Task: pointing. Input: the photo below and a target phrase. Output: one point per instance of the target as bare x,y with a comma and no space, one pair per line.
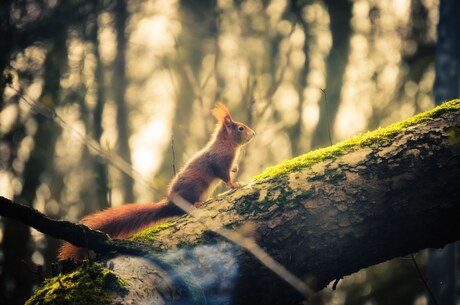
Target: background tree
17,248
340,13
443,263
119,85
100,167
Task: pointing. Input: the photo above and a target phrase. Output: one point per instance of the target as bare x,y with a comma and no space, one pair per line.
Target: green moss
149,234
91,284
379,136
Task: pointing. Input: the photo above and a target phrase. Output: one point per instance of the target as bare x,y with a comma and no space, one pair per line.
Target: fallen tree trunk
323,216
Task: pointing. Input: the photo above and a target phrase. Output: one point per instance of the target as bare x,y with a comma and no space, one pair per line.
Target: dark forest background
140,78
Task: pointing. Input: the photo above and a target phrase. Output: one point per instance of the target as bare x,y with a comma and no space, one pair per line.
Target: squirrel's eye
241,128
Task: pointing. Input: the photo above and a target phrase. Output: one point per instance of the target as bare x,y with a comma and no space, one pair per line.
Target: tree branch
77,234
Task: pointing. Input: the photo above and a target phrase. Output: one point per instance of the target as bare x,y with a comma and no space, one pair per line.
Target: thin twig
327,115
423,280
173,155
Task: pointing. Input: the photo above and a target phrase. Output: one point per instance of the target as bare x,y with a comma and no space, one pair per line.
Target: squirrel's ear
221,113
228,122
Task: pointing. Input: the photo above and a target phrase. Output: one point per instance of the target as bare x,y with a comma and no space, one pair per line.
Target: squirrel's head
236,131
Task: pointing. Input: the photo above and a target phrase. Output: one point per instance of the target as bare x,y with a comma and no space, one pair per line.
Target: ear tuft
221,113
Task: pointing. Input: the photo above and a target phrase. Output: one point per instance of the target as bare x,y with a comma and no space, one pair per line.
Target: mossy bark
377,201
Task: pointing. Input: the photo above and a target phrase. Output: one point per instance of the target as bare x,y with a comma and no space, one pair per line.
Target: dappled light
303,74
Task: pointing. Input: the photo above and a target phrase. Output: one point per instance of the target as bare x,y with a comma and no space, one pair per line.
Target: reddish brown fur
193,183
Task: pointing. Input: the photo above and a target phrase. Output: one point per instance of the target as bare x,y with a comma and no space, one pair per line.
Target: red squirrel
194,182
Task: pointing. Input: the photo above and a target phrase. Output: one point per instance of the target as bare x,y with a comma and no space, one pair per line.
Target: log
323,215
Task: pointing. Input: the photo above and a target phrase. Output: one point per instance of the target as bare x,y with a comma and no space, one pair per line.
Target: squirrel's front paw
233,184
235,168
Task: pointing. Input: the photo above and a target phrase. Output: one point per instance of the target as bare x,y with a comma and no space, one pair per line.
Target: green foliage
369,138
88,285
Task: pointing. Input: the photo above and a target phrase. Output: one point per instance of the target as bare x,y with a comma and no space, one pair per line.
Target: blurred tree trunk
419,60
119,89
295,131
443,263
100,167
190,48
340,13
16,279
447,82
6,37
321,222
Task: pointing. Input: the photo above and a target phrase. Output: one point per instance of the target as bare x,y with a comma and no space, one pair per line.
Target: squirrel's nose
252,135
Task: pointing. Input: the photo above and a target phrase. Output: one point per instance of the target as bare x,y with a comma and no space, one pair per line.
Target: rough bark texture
378,201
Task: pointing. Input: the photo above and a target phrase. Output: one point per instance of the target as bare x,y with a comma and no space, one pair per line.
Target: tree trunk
6,36
340,14
323,216
447,80
443,263
295,132
100,168
119,84
16,281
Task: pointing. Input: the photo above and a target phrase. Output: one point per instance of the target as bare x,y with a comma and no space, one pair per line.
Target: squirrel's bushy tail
121,222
